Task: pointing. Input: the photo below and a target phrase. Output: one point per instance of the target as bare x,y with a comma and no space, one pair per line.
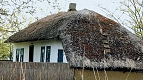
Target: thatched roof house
88,38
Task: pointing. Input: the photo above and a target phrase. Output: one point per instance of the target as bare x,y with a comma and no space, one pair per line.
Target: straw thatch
89,39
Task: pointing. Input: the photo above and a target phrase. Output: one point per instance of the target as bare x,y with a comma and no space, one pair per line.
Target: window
60,55
48,50
45,54
20,55
42,54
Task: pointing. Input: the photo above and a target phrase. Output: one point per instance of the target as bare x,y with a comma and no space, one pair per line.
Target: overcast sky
95,5
111,5
44,9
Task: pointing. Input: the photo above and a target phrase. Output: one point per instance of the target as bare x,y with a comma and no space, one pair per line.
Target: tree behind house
134,9
131,15
16,15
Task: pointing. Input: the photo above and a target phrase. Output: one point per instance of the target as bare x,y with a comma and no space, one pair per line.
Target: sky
95,5
44,9
111,5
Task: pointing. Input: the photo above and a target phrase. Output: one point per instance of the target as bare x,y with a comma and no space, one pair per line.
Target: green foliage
4,51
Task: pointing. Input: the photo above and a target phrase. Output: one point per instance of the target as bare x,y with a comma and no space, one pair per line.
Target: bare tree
134,9
16,15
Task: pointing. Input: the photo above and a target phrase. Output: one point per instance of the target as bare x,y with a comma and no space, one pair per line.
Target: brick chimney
72,7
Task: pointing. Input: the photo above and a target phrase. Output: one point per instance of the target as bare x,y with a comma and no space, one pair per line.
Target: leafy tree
4,51
16,15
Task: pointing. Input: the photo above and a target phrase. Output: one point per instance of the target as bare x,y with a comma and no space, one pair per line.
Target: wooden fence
35,71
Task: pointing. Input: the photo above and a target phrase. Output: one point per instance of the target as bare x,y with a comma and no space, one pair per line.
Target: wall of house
110,75
54,43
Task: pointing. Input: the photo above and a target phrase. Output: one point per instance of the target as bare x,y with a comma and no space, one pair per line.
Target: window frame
59,56
48,53
19,55
42,55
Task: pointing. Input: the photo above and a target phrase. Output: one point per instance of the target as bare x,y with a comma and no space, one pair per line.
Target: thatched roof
87,37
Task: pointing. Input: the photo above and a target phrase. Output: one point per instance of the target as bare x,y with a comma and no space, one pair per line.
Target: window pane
17,55
60,55
48,51
42,54
21,54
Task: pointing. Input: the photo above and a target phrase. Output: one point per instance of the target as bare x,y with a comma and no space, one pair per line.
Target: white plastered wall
54,43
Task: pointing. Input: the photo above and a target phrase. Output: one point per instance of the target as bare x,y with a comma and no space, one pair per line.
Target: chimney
72,7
